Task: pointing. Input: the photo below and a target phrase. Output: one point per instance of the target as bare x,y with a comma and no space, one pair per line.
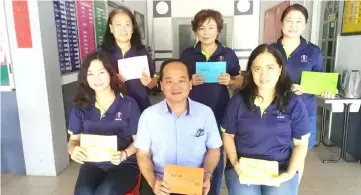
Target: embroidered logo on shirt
280,115
200,132
118,116
221,58
304,59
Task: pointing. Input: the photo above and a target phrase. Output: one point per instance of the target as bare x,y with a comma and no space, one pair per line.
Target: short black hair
295,7
166,62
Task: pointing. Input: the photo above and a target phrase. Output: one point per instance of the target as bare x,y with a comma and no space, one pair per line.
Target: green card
318,82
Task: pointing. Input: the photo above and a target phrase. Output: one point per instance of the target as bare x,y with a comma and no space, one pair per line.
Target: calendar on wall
351,21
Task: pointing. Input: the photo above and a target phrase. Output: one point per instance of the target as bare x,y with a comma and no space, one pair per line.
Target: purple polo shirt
214,95
306,57
120,119
135,88
268,137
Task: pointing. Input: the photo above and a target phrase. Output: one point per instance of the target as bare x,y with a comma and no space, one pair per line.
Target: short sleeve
75,122
213,137
143,141
134,117
300,122
318,66
229,121
233,64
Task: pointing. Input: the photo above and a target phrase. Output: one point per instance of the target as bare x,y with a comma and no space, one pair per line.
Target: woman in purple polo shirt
261,122
207,25
100,108
122,40
300,56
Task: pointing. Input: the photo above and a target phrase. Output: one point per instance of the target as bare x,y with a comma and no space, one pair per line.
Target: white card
132,68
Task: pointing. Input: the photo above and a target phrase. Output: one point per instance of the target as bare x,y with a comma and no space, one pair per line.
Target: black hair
296,7
108,38
84,94
166,62
283,86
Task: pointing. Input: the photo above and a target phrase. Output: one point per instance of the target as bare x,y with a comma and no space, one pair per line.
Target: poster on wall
100,21
139,18
85,17
351,23
22,24
66,30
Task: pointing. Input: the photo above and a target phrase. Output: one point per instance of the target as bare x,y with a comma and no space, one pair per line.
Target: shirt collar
116,49
219,50
118,97
166,109
303,43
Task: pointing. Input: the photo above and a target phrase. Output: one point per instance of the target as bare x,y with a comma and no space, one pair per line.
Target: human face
293,24
266,71
176,84
207,33
121,27
97,76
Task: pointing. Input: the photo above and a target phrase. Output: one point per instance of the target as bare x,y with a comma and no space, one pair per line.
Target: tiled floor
319,179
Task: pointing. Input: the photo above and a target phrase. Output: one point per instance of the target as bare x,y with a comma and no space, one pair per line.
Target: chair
135,190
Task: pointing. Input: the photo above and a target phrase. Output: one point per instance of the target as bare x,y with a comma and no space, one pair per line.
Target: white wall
344,58
39,93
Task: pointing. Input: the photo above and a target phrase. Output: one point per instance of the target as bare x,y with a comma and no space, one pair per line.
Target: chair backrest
135,190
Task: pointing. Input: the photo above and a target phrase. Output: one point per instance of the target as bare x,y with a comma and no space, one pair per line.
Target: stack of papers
100,148
183,179
132,68
257,172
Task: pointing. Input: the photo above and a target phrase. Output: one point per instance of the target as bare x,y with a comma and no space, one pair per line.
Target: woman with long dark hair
261,122
102,108
122,40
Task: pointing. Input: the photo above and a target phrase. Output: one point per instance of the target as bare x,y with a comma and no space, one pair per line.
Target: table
346,106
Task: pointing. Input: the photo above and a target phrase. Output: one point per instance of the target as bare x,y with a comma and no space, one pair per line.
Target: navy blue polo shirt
135,88
214,95
120,119
306,57
268,137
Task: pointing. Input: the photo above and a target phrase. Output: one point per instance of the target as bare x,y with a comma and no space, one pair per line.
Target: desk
339,105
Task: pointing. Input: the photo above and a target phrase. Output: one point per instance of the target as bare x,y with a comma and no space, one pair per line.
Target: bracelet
209,172
126,154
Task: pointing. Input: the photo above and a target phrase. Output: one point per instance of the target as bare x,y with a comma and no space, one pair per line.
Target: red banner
22,23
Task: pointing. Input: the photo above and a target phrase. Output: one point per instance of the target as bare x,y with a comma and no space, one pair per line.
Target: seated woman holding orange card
100,108
261,122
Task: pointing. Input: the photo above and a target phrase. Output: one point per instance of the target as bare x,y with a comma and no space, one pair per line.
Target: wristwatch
208,172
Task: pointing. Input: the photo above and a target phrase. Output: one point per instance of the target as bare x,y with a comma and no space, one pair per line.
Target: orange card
184,180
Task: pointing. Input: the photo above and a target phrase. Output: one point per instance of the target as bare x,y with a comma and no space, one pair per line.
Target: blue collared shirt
214,95
120,119
180,140
268,137
306,57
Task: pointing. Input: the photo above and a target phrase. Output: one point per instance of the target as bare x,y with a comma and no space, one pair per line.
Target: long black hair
283,85
108,38
85,96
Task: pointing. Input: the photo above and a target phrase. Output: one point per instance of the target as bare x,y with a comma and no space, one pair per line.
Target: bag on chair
349,85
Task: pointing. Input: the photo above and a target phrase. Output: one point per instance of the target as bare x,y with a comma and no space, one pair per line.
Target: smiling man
176,131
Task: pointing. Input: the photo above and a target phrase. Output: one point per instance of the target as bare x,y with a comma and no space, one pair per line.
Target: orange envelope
184,180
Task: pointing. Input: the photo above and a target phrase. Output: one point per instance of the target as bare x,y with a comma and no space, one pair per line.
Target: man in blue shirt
176,131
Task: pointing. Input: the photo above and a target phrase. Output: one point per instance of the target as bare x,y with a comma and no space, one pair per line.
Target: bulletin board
80,26
351,21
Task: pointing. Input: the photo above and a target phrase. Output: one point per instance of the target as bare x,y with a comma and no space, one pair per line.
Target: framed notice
351,20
